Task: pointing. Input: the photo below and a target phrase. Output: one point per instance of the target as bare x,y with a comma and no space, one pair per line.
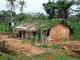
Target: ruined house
27,30
56,32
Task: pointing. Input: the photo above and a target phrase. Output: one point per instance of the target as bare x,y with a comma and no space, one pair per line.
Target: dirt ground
16,44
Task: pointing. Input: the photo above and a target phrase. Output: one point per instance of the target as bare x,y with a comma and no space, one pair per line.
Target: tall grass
4,27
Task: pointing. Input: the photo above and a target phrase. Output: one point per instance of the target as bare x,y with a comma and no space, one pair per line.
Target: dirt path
21,48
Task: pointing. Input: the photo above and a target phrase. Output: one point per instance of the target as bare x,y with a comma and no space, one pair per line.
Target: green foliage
77,11
55,46
22,4
44,46
33,38
49,24
59,9
4,27
38,57
24,41
3,44
64,57
6,14
76,30
64,40
10,57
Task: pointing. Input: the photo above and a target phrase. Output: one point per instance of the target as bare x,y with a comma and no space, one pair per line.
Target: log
72,48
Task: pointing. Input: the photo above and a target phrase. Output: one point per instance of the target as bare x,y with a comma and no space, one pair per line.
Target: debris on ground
20,48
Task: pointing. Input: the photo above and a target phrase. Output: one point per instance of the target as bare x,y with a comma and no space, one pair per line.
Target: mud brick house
55,32
60,32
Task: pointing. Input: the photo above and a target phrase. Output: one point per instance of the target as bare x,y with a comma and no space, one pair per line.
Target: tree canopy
58,9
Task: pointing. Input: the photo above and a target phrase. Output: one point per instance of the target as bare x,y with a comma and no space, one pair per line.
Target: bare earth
16,44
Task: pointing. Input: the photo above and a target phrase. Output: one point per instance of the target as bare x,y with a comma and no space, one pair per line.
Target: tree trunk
62,14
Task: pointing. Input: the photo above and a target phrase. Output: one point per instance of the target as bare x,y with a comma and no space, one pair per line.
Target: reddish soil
21,48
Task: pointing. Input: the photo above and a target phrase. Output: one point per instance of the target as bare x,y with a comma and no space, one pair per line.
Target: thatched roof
27,27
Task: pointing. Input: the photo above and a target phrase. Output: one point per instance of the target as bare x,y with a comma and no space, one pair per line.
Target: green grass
24,41
55,46
38,57
4,27
64,57
44,46
9,57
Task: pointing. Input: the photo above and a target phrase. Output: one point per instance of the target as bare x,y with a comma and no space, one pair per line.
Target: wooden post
46,37
22,35
42,38
36,37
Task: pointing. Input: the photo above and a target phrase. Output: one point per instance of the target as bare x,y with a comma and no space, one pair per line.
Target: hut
59,32
55,32
27,30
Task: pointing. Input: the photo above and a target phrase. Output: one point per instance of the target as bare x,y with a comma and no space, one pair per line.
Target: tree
77,15
50,8
4,13
21,3
12,5
38,16
78,10
58,9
